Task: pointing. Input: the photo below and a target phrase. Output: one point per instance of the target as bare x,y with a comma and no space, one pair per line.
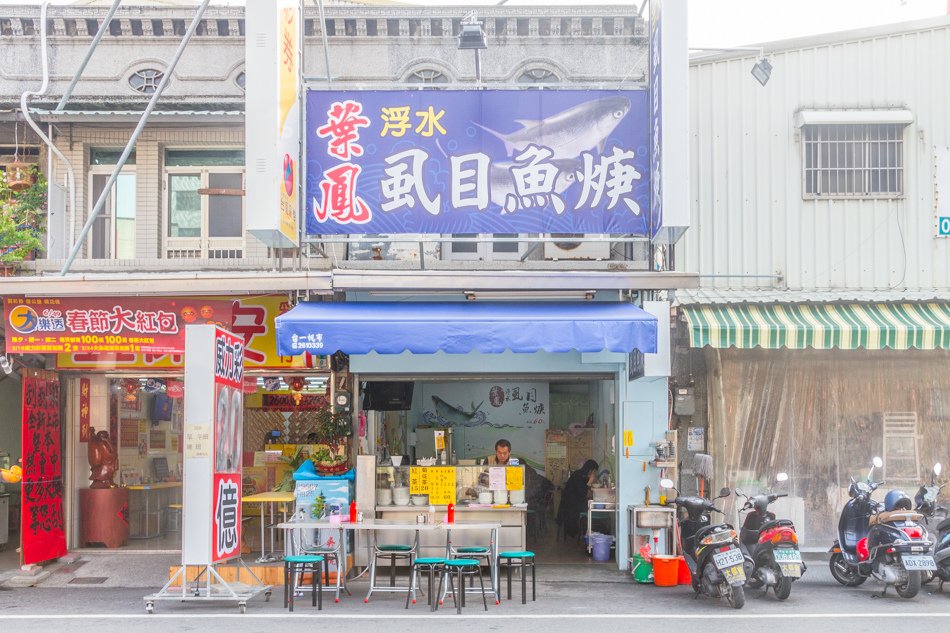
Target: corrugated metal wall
748,215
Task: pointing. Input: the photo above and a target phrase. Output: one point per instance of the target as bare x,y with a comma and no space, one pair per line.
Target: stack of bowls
401,495
384,496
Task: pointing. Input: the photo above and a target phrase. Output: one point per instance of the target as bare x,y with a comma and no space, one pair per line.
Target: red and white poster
106,325
44,535
228,436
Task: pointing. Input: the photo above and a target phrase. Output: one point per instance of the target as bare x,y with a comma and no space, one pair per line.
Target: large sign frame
213,427
477,161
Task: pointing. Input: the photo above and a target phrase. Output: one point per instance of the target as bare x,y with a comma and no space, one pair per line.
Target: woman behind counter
574,498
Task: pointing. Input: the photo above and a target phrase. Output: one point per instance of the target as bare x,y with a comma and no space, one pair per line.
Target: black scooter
935,518
886,543
712,551
770,544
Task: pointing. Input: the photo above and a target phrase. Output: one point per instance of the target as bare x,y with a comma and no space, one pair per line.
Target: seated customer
574,498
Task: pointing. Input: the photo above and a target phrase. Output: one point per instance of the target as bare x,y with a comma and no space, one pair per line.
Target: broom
703,470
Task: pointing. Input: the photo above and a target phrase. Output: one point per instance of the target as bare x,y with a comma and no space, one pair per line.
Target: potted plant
22,211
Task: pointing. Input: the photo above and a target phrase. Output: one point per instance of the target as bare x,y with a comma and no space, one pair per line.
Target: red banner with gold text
44,534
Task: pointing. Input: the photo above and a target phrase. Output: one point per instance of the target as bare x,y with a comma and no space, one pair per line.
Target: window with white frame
113,231
205,203
853,160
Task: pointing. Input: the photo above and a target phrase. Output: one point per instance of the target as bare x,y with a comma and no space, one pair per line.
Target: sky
722,23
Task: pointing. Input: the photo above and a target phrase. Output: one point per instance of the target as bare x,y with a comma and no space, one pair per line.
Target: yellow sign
288,123
253,318
514,478
440,440
436,481
628,439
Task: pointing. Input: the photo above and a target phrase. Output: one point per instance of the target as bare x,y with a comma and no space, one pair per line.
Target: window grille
853,160
146,80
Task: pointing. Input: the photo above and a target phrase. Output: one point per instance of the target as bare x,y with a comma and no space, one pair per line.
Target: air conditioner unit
568,249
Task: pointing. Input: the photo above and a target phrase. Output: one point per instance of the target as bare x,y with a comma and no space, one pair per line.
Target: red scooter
769,544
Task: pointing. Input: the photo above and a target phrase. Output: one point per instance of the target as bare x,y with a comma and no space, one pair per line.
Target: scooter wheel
736,597
910,588
843,573
783,589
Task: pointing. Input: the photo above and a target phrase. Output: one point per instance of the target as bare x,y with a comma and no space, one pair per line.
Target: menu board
514,478
497,479
436,481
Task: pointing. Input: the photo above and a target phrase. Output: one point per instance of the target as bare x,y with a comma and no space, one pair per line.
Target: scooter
711,551
885,542
935,518
770,544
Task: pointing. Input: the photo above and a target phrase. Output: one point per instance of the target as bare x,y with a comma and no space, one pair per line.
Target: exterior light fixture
472,38
762,71
5,364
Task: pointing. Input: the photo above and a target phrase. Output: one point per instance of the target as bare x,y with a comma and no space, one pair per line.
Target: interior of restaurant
553,426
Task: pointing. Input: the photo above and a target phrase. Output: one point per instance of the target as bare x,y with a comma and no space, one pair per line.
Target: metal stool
526,559
461,567
302,564
173,517
394,553
432,566
476,553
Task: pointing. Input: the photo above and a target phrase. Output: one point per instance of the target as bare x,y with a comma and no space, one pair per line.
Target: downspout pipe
25,108
89,51
135,135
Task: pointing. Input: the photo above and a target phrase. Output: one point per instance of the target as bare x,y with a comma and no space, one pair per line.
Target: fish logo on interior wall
446,414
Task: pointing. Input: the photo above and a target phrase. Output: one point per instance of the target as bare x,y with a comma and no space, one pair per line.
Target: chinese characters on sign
477,162
44,535
436,481
228,439
105,325
83,409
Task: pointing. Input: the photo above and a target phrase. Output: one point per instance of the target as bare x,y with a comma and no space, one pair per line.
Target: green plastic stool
300,565
431,566
461,567
526,559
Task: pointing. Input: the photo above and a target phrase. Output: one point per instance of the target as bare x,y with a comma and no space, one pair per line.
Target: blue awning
459,328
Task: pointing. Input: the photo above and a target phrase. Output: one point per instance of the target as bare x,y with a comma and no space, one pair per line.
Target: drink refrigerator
315,498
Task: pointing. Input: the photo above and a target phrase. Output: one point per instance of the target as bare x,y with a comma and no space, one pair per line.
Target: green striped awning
821,326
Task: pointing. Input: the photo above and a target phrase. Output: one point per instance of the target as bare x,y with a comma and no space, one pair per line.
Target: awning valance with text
459,328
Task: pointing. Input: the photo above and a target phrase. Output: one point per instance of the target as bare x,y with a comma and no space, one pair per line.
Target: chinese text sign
44,535
228,437
505,161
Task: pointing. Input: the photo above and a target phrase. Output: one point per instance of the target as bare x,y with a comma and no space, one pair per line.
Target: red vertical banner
228,439
83,409
44,535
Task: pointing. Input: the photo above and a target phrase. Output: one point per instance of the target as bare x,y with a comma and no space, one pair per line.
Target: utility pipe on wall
135,135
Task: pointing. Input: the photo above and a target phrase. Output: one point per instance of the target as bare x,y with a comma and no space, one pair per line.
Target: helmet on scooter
897,500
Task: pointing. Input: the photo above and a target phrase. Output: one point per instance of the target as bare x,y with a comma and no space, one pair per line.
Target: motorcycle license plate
791,570
734,574
788,555
914,563
727,559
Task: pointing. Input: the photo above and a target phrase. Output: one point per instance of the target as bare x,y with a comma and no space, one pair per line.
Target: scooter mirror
724,492
938,467
878,462
781,477
667,483
739,492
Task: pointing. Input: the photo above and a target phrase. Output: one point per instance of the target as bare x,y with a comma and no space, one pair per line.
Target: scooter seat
944,525
895,515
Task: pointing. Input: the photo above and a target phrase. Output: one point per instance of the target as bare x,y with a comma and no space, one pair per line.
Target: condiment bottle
353,511
450,514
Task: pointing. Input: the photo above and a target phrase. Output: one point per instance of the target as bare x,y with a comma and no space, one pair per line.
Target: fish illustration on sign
569,132
446,414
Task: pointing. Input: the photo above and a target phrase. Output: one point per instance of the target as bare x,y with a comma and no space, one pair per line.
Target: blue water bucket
600,546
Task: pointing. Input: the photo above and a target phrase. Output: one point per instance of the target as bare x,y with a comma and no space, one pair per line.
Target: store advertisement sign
477,161
105,324
213,430
669,121
44,534
251,317
273,53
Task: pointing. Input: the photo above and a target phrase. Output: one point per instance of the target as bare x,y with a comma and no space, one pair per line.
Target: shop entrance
554,426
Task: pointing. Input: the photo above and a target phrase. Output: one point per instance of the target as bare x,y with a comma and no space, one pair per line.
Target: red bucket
683,575
665,570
